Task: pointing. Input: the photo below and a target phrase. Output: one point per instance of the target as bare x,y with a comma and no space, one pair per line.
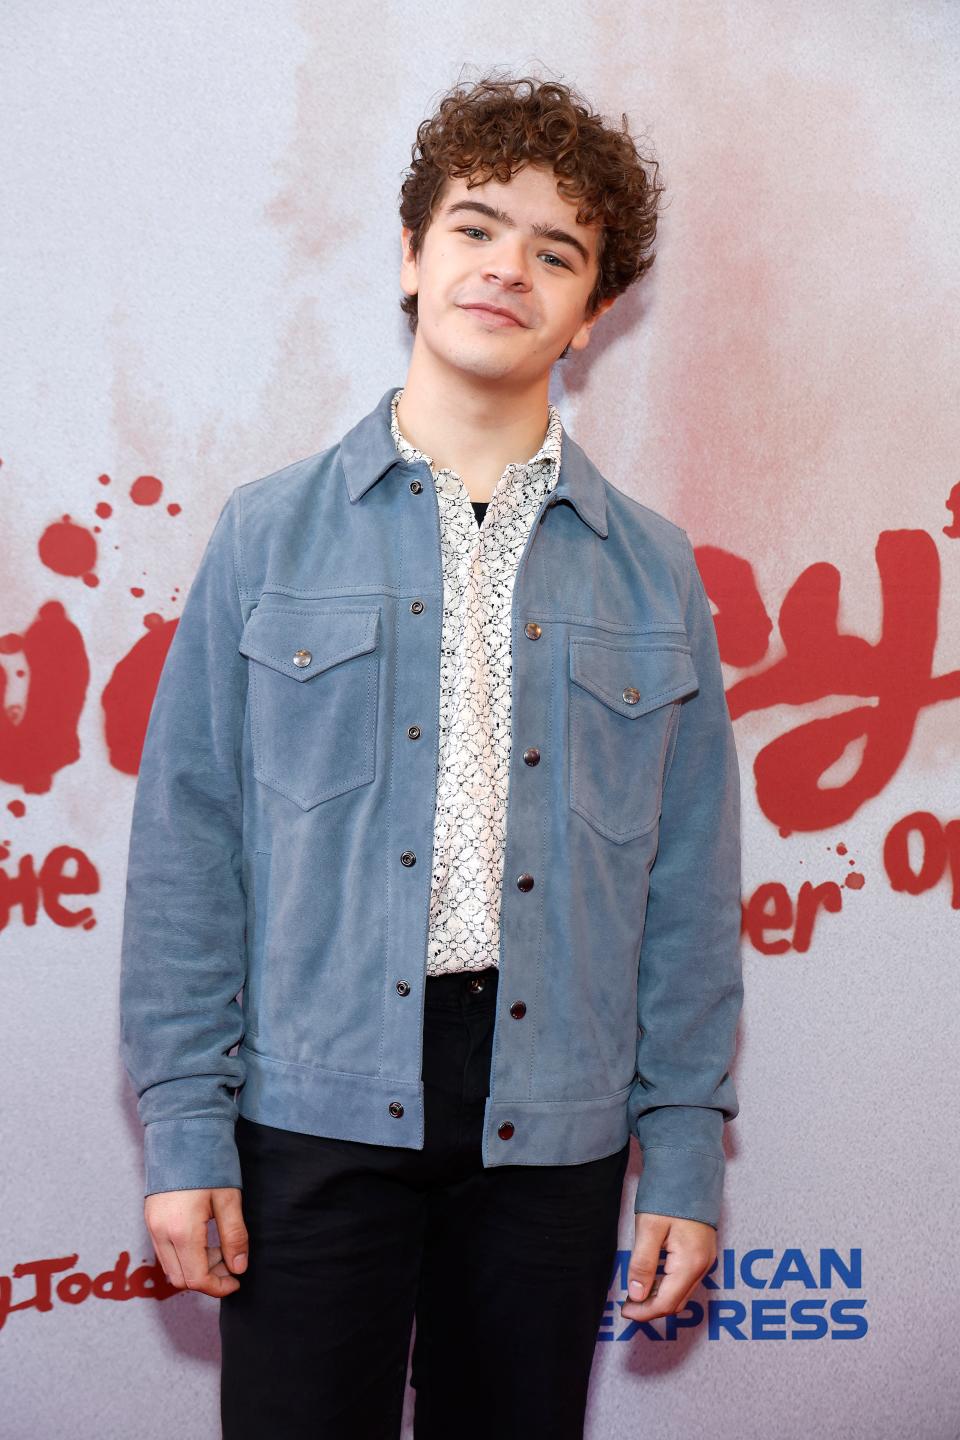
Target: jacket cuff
198,1153
687,1184
683,1162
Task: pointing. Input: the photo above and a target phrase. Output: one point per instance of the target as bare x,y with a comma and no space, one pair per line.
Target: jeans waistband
463,989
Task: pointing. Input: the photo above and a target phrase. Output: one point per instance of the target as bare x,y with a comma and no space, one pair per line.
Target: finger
642,1277
192,1254
234,1240
669,1299
167,1257
650,1234
652,1293
216,1265
692,1273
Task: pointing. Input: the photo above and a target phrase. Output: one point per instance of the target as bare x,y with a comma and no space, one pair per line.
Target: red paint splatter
39,737
854,881
895,675
104,509
137,590
128,694
841,848
146,490
104,479
68,549
17,808
173,508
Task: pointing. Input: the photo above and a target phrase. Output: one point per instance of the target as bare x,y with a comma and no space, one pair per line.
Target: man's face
471,257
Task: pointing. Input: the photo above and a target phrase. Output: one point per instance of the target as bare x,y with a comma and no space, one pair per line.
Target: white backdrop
200,271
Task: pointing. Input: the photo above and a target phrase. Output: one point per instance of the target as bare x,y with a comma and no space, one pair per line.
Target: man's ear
602,309
409,281
581,339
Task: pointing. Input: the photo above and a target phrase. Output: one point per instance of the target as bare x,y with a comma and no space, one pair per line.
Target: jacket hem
347,1106
338,1104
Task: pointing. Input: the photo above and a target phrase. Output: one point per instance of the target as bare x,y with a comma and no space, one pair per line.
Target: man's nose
509,266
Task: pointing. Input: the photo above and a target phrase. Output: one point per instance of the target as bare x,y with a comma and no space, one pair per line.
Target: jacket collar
368,451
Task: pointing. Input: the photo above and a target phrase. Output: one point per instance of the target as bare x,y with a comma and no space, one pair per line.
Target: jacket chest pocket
624,701
314,680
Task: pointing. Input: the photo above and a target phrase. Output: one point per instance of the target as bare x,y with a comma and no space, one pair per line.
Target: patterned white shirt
479,567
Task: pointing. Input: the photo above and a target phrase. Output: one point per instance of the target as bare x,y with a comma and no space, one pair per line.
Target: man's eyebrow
548,232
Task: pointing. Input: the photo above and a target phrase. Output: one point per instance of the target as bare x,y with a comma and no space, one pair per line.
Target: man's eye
478,230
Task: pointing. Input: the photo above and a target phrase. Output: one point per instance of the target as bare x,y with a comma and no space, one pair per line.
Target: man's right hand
177,1221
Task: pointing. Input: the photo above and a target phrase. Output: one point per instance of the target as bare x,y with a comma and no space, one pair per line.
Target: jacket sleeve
690,987
183,944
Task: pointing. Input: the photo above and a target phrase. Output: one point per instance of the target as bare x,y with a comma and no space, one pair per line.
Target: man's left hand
691,1247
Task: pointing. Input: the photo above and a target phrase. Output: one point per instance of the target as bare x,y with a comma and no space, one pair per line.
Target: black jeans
506,1269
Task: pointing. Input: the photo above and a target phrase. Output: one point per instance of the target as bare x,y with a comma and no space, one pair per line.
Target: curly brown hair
491,128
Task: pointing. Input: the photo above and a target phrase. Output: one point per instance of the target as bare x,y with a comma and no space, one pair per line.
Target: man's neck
474,429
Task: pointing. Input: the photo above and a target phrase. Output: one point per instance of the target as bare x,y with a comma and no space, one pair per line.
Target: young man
457,806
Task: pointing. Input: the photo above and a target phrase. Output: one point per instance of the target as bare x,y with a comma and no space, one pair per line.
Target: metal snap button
630,695
416,486
413,732
531,756
518,1009
505,1129
302,657
532,630
524,882
408,858
416,606
395,1108
403,987
475,984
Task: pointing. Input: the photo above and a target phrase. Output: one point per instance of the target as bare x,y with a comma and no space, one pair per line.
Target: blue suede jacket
278,878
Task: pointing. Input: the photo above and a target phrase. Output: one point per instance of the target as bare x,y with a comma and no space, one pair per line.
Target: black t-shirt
479,509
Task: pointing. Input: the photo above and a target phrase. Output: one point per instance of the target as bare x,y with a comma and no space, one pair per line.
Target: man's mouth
495,315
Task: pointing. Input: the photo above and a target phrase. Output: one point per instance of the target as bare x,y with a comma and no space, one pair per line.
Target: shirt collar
548,454
368,452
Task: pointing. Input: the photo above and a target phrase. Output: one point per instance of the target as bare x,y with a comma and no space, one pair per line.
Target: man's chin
478,365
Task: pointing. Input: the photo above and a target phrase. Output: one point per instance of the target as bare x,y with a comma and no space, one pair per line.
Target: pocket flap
275,635
658,672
